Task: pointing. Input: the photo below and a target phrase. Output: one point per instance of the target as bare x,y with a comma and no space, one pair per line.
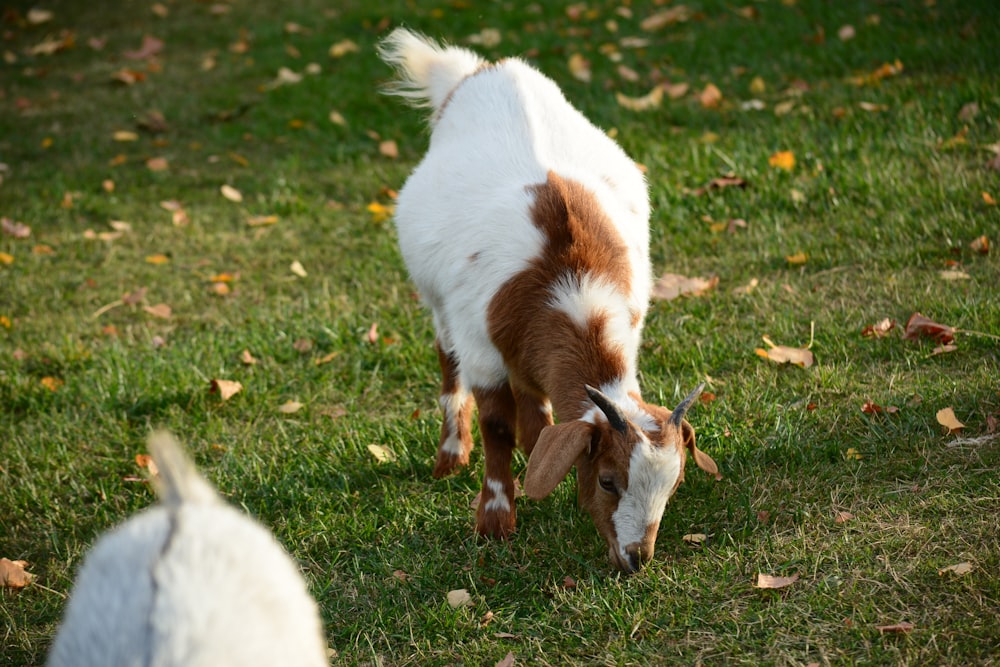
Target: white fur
499,500
463,217
652,474
190,582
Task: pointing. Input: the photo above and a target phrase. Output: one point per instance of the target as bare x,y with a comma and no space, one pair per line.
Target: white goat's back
190,582
464,215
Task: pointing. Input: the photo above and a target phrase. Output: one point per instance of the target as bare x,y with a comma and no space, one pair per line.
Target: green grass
882,203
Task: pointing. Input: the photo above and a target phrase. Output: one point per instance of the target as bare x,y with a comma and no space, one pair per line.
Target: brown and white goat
526,231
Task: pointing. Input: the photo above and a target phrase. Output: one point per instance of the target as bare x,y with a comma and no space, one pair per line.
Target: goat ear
704,461
557,449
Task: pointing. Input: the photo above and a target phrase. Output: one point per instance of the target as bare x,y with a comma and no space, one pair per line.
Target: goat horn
678,414
614,414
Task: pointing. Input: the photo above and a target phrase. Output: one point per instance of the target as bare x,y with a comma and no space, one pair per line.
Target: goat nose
637,555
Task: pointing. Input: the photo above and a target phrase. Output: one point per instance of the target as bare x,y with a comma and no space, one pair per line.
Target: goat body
525,229
190,582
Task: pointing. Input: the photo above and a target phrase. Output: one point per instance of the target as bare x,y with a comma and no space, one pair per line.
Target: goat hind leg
456,424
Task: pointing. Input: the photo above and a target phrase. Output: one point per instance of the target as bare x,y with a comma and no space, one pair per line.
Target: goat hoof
448,463
496,525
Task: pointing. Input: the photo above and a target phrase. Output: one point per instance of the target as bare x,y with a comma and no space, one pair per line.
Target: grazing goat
526,232
190,582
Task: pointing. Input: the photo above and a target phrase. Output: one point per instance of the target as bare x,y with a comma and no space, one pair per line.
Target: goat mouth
626,563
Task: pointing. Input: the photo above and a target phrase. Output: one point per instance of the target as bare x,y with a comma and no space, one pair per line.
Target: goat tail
177,480
427,72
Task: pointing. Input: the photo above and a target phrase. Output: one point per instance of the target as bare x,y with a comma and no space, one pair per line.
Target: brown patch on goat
457,424
549,354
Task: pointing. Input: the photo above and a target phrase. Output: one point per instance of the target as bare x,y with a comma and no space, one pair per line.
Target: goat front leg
495,516
456,425
533,414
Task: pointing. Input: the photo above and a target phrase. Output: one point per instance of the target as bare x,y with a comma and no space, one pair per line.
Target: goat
526,232
190,582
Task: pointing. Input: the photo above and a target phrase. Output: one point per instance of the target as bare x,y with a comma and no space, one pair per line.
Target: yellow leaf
261,220
382,454
337,118
797,258
125,135
650,100
782,160
988,199
380,212
220,289
289,407
579,67
5,322
231,193
157,259
946,417
298,269
341,49
327,358
853,454
51,383
6,258
757,86
225,388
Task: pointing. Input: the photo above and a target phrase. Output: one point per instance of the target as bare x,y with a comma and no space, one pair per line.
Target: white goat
190,582
526,231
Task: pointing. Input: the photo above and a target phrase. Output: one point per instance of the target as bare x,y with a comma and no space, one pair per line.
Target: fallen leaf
919,326
297,268
51,383
459,598
569,583
372,335
389,149
843,517
846,32
968,112
508,660
262,220
146,461
872,107
337,118
247,359
125,135
981,245
653,22
13,574
782,160
671,285
400,575
943,349
895,628
852,454
382,454
225,388
18,230
290,407
710,97
782,354
988,199
880,329
342,48
770,581
37,17
285,77
951,274
160,310
380,212
958,569
675,91
157,259
302,345
157,164
695,538
870,408
579,67
327,358
721,182
797,258
134,298
151,46
231,193
650,100
946,417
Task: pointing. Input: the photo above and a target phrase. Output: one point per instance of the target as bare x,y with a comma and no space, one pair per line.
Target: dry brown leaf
843,517
372,335
919,326
160,310
895,628
157,164
225,388
51,383
342,48
880,329
943,349
675,91
382,454
400,575
125,135
695,538
262,220
981,245
671,285
650,100
569,583
946,417
459,598
13,574
870,408
677,14
953,274
290,407
327,358
158,258
579,67
721,182
147,462
846,32
297,268
508,660
247,359
710,97
783,354
389,149
151,46
18,230
231,193
770,581
988,199
958,569
872,107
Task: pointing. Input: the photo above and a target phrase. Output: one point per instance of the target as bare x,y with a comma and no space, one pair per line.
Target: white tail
427,72
178,481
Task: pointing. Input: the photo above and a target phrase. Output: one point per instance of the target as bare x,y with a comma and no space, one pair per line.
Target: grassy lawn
115,155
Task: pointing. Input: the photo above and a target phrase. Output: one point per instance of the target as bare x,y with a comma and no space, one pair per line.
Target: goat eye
608,484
